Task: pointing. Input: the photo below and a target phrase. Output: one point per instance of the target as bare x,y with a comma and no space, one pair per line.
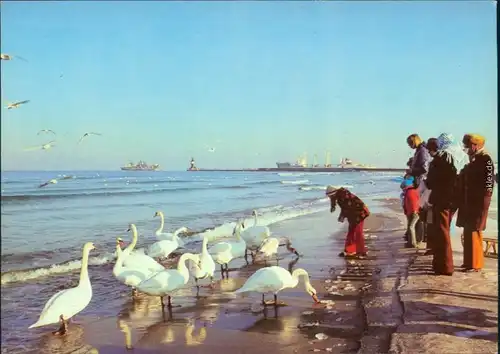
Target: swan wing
162,248
162,283
142,261
269,245
270,279
165,236
133,277
219,247
67,302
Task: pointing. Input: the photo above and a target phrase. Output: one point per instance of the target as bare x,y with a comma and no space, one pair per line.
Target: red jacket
411,201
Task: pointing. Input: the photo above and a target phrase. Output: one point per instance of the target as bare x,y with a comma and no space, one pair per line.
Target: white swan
160,235
134,259
205,267
67,303
270,246
225,251
166,282
163,248
128,275
255,234
274,279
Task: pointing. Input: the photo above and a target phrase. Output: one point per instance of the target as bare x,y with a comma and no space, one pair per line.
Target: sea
43,229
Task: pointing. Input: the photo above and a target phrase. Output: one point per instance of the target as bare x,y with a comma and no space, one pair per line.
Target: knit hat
409,181
330,190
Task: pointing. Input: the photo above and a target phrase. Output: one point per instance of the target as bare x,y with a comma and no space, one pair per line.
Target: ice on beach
307,313
308,324
471,334
321,336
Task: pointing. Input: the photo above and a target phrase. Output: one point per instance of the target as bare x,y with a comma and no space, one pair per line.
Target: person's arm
333,203
430,181
488,180
421,163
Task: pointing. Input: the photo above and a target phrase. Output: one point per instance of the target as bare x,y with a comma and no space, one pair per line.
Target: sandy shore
371,305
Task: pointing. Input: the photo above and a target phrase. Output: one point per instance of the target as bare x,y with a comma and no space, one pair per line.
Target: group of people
435,188
438,184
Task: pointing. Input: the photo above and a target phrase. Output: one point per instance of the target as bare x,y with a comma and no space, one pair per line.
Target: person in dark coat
474,191
355,211
441,181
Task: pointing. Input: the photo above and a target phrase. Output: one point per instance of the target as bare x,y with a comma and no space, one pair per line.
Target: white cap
330,190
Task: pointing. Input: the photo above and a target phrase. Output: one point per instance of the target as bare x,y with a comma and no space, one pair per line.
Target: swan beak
315,298
128,230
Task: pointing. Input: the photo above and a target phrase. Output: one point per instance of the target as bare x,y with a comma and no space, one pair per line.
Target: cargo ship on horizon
140,166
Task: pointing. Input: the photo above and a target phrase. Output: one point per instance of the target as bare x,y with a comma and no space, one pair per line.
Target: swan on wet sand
269,247
160,235
134,259
273,280
225,251
163,248
205,267
254,235
128,275
67,303
166,282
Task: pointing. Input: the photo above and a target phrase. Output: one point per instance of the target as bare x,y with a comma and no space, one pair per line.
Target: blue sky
271,80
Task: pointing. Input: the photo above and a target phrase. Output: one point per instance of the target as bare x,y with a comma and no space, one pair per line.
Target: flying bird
10,57
47,146
52,181
211,149
86,135
16,104
46,131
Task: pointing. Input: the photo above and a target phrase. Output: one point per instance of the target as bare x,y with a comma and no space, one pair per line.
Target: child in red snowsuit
411,206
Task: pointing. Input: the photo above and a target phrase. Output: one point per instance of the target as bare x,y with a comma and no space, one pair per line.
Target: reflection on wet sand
73,341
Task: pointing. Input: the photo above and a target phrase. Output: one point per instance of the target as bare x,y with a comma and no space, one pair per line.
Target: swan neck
134,239
204,249
255,219
162,223
119,260
296,277
182,268
84,272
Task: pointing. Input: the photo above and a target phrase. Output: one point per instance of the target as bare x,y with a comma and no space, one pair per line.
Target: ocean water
44,229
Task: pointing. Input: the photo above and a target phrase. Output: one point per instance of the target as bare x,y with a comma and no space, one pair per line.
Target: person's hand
341,218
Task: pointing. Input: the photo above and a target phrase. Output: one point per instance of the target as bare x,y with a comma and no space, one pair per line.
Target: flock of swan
143,273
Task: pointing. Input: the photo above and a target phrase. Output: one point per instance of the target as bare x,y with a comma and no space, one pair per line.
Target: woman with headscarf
441,181
474,191
355,211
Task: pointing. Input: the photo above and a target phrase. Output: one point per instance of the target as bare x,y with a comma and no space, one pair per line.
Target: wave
302,181
29,197
267,216
322,188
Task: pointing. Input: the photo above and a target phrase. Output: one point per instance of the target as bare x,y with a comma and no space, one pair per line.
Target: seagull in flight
52,181
46,131
10,57
47,146
211,149
16,104
86,135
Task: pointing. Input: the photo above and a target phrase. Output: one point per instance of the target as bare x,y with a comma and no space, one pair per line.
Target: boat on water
192,165
140,166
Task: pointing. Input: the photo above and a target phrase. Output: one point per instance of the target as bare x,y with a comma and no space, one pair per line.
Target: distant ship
301,163
140,166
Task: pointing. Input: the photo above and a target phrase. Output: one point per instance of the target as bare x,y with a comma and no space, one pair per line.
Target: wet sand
387,303
219,320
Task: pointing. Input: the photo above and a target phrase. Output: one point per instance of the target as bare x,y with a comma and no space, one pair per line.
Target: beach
364,302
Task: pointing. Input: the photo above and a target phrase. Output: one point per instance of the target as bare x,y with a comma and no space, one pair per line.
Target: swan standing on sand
160,235
274,279
128,275
255,235
67,303
269,247
225,251
205,267
166,282
137,260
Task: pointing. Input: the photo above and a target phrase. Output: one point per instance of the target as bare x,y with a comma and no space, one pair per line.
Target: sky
260,82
